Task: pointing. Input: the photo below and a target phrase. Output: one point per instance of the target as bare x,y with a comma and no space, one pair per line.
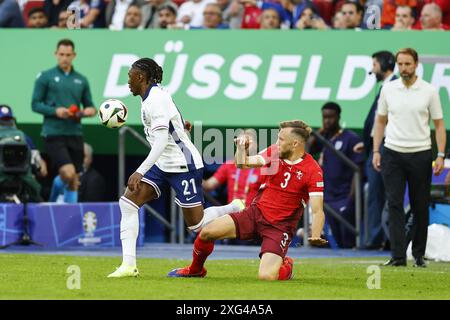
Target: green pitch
45,277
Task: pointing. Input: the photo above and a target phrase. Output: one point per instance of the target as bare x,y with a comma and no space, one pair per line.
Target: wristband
376,151
441,154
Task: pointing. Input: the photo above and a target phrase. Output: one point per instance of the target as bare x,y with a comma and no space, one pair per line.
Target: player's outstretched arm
318,221
241,158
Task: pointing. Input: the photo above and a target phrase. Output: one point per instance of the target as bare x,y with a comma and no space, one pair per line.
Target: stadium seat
30,5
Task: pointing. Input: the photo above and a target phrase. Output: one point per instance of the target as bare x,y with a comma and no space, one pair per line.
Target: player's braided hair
298,127
150,68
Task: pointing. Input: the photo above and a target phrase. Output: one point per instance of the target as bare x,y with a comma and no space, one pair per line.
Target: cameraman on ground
9,178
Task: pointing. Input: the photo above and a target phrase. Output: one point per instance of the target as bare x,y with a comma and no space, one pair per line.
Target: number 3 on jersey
287,177
185,184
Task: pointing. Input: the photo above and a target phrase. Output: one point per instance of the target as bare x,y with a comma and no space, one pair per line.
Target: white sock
213,213
129,229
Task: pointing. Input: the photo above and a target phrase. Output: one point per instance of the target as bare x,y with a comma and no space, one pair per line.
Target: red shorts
251,224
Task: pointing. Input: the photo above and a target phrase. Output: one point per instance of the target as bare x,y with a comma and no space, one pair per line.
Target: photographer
20,161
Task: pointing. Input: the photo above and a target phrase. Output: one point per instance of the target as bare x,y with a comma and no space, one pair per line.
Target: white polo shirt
409,111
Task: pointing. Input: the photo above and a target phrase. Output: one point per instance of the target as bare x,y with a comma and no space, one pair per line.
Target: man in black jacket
383,67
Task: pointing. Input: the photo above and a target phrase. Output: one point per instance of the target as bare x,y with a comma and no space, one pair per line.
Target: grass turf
45,277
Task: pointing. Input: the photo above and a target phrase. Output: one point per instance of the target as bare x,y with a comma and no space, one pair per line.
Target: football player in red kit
293,178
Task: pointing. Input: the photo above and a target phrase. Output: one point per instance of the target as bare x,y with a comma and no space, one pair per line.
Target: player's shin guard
202,249
129,229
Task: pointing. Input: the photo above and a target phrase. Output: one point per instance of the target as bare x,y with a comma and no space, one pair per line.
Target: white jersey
159,111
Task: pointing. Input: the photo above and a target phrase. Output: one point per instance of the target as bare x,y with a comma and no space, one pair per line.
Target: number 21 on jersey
186,183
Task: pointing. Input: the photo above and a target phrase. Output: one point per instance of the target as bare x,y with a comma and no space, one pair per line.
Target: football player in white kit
173,159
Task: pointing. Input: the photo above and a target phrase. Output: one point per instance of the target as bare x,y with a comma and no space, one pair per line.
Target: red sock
285,271
202,249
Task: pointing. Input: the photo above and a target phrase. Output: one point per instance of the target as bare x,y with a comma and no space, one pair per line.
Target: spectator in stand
133,17
116,11
431,18
270,19
53,8
404,19
338,21
232,13
167,17
353,13
150,16
92,13
241,183
62,20
309,19
445,7
37,18
388,11
191,12
82,8
293,10
212,18
289,11
10,14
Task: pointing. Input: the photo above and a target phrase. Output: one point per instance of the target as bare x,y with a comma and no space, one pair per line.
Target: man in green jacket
58,95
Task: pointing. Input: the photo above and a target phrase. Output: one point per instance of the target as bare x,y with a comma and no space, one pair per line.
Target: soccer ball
113,113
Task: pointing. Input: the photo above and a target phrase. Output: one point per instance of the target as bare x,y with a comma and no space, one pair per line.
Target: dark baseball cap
6,112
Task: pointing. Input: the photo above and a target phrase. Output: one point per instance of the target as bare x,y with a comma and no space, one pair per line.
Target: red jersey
288,187
241,183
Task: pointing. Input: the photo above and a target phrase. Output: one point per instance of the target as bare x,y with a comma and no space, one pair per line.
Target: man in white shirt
173,160
191,12
404,110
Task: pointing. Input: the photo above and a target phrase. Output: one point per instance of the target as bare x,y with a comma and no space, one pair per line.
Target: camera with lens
15,158
15,155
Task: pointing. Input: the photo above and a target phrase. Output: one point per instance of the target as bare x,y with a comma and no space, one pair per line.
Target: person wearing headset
383,69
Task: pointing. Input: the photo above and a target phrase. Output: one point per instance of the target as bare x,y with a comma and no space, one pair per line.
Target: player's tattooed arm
318,221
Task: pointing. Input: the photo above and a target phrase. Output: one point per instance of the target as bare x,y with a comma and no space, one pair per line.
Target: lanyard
247,184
